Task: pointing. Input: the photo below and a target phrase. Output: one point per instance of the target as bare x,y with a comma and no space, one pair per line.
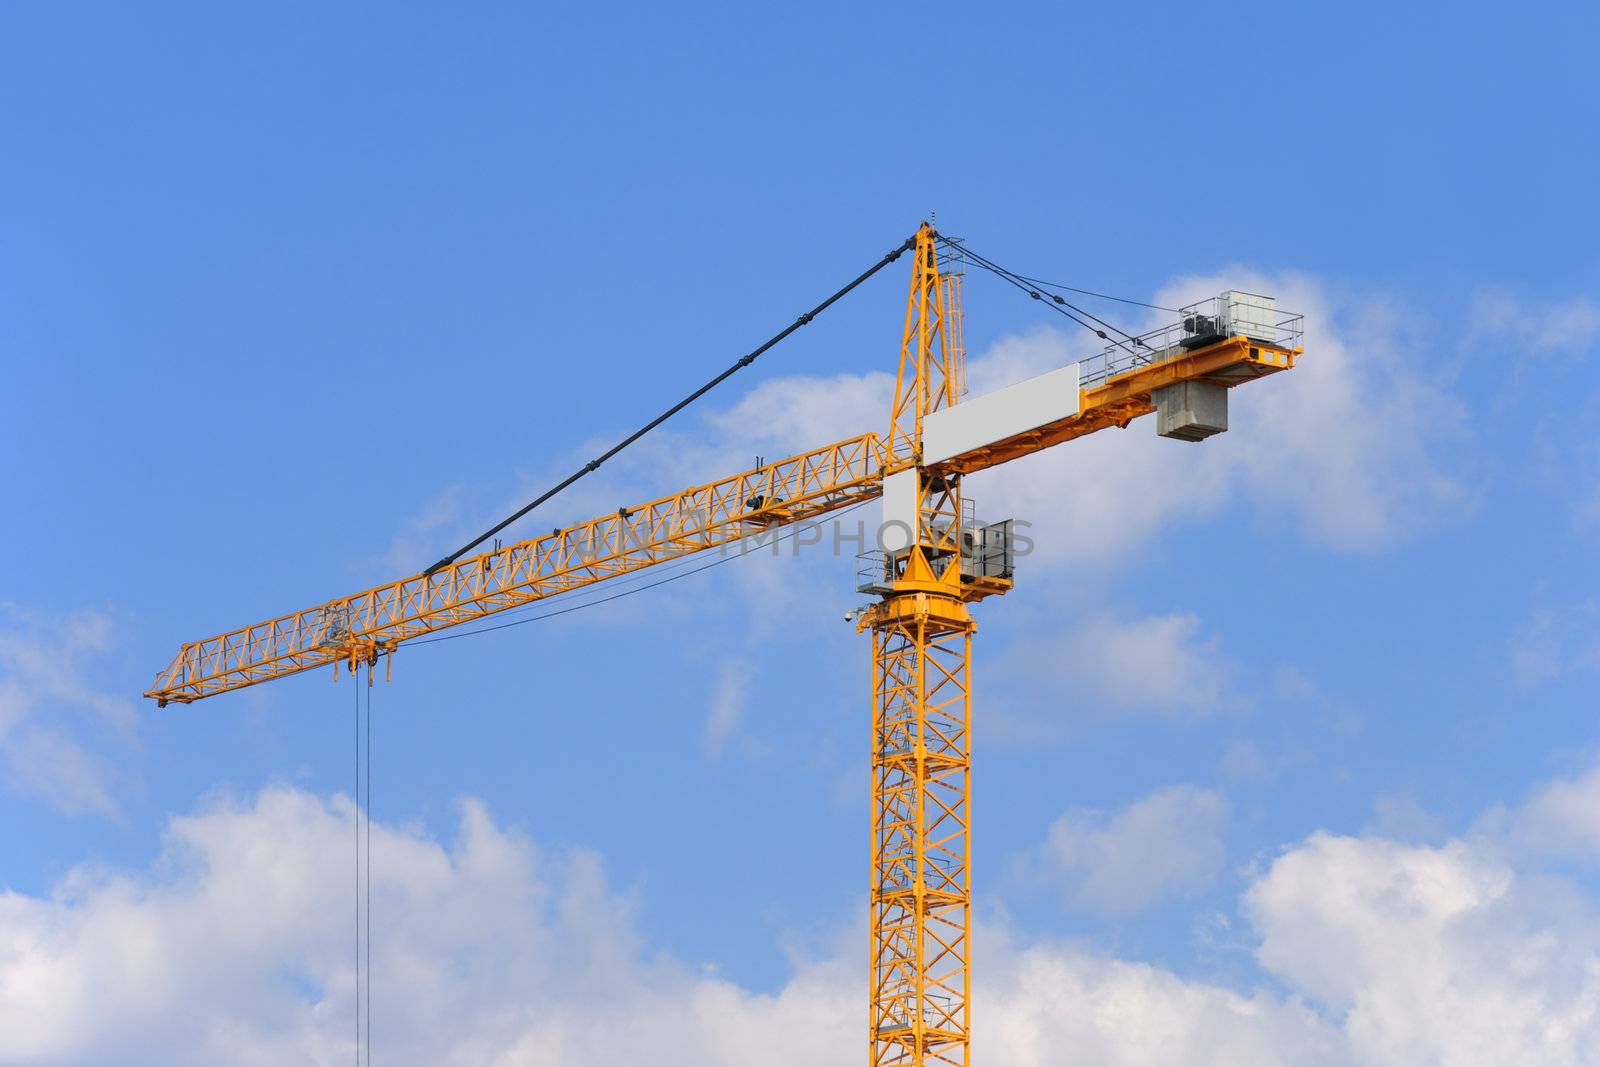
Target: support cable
739,364
1056,303
1022,283
1101,296
363,814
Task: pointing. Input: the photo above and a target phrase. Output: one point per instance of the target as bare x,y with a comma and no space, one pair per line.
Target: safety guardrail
1233,314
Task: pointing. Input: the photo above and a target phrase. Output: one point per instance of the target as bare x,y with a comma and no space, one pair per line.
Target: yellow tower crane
933,561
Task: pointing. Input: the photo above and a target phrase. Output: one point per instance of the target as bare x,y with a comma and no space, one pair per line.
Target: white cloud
1433,955
1166,844
235,946
1564,816
422,537
1537,329
1401,817
727,705
1561,818
57,730
1553,642
1251,760
1057,1006
1163,664
796,413
1533,650
1346,439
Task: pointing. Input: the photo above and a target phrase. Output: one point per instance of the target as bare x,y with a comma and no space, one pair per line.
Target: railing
986,552
873,573
1203,322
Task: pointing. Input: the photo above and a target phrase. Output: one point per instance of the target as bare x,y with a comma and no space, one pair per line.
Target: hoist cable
1021,283
1035,294
1101,296
369,864
363,812
739,364
355,678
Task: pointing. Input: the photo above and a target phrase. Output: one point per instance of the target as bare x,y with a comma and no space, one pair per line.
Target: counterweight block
1191,411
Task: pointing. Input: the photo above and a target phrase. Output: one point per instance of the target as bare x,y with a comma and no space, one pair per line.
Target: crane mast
933,562
921,895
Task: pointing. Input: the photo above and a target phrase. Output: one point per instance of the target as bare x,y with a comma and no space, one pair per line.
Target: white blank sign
994,417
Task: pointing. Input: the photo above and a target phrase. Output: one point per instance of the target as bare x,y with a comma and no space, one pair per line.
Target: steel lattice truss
921,781
707,516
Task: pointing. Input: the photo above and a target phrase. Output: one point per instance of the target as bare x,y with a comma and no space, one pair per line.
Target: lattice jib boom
707,516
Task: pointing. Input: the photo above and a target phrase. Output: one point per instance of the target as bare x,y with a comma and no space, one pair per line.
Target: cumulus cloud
1166,844
727,705
795,413
417,543
1553,642
1160,664
1347,440
1059,1006
1537,328
1433,955
234,946
1561,818
1254,760
58,731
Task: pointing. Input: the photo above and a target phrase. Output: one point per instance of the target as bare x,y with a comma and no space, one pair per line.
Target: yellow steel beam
921,915
1125,396
707,516
921,911
929,372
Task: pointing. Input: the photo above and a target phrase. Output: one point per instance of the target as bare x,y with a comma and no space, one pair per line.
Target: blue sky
292,300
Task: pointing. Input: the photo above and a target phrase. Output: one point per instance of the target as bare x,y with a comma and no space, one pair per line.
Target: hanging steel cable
355,681
368,857
1099,296
1056,303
